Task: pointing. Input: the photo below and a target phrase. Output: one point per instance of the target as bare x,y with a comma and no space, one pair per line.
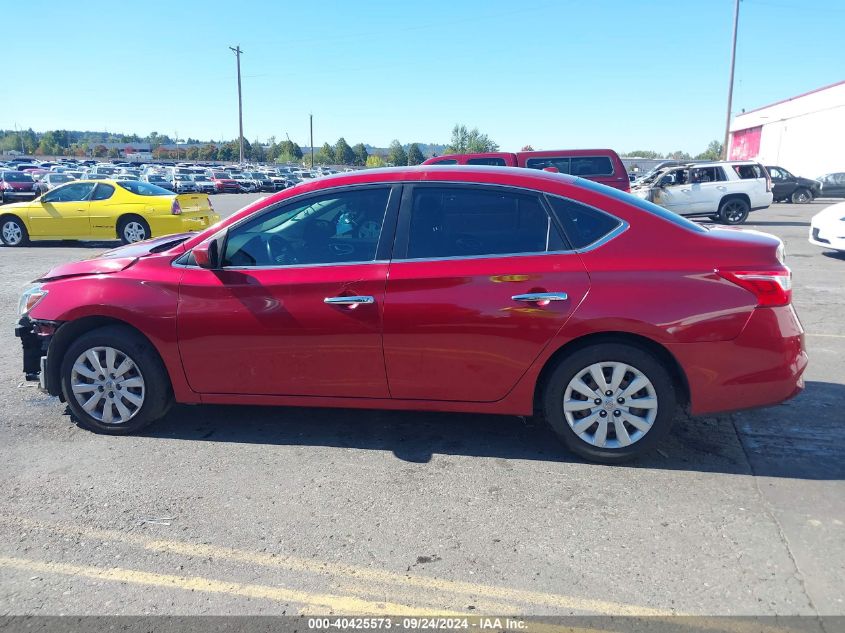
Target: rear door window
706,174
473,222
102,192
445,161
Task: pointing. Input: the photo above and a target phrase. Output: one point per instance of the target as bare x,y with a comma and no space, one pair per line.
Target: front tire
133,229
13,232
610,402
801,196
734,211
114,381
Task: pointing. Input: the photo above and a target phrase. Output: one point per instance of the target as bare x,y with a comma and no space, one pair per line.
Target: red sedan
472,289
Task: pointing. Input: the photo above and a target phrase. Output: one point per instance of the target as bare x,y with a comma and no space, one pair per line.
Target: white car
827,228
723,191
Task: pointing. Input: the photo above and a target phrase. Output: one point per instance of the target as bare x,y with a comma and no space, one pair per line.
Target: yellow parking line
357,574
313,602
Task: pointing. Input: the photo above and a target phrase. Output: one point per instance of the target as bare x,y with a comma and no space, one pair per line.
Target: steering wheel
277,250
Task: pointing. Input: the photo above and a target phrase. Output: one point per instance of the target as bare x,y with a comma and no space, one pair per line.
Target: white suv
723,191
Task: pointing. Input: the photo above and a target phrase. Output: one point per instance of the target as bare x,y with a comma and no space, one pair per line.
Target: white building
804,134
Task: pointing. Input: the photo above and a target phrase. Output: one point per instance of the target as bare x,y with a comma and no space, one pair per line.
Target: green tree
469,141
640,153
679,155
114,153
257,153
396,154
208,152
343,154
100,151
361,155
374,160
713,151
527,148
325,156
415,156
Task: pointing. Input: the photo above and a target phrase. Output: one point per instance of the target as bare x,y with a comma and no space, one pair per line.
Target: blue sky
649,74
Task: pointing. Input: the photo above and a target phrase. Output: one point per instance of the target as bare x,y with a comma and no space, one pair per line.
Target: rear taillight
175,209
771,287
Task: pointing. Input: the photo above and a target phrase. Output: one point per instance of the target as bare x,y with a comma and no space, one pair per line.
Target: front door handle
539,297
349,301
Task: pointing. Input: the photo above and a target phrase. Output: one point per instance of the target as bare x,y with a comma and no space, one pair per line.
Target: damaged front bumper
35,339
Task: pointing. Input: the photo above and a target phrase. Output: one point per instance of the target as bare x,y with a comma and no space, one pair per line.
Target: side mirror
207,254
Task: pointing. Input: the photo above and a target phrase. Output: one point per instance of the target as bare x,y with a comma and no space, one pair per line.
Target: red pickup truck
600,165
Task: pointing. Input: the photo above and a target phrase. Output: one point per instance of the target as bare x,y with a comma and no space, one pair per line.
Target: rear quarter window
495,162
583,225
748,172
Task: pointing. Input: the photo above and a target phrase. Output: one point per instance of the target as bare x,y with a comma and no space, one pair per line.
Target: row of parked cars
22,180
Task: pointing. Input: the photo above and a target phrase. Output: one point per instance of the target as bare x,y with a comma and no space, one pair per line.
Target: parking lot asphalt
226,510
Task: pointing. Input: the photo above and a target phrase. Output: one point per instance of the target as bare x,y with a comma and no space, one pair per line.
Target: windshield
16,176
144,188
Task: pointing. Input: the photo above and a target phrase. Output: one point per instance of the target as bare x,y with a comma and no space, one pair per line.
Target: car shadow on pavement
752,224
802,439
105,244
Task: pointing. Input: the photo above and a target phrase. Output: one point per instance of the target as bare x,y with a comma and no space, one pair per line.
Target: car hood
833,212
809,182
116,259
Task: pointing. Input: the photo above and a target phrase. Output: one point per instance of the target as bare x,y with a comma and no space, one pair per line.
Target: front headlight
30,298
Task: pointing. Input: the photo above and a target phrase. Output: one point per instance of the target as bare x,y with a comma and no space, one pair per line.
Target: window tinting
495,162
336,228
585,166
69,193
102,192
706,174
144,188
16,176
446,161
747,172
466,222
583,225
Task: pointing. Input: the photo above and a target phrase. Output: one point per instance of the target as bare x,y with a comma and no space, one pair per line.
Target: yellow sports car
102,210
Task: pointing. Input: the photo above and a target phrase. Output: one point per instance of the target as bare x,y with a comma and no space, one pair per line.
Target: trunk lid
193,202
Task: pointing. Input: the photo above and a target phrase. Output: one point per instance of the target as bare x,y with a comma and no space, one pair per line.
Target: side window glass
583,225
775,173
467,222
446,161
561,164
70,193
495,162
102,192
706,174
333,228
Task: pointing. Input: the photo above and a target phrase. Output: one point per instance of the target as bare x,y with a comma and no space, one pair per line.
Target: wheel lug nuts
603,414
620,400
617,413
608,393
597,401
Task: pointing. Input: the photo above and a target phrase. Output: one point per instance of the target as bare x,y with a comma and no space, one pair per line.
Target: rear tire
133,228
13,232
128,377
604,428
734,211
801,196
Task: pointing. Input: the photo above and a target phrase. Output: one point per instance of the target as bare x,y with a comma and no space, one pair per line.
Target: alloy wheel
134,232
610,405
734,212
12,233
108,385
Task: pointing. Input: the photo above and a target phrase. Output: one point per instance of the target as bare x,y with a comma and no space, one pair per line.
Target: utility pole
311,125
731,84
237,51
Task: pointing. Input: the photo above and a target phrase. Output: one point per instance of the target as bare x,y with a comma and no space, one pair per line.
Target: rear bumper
19,195
761,367
190,221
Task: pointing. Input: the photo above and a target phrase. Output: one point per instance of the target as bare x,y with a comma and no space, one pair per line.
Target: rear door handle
349,301
537,297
